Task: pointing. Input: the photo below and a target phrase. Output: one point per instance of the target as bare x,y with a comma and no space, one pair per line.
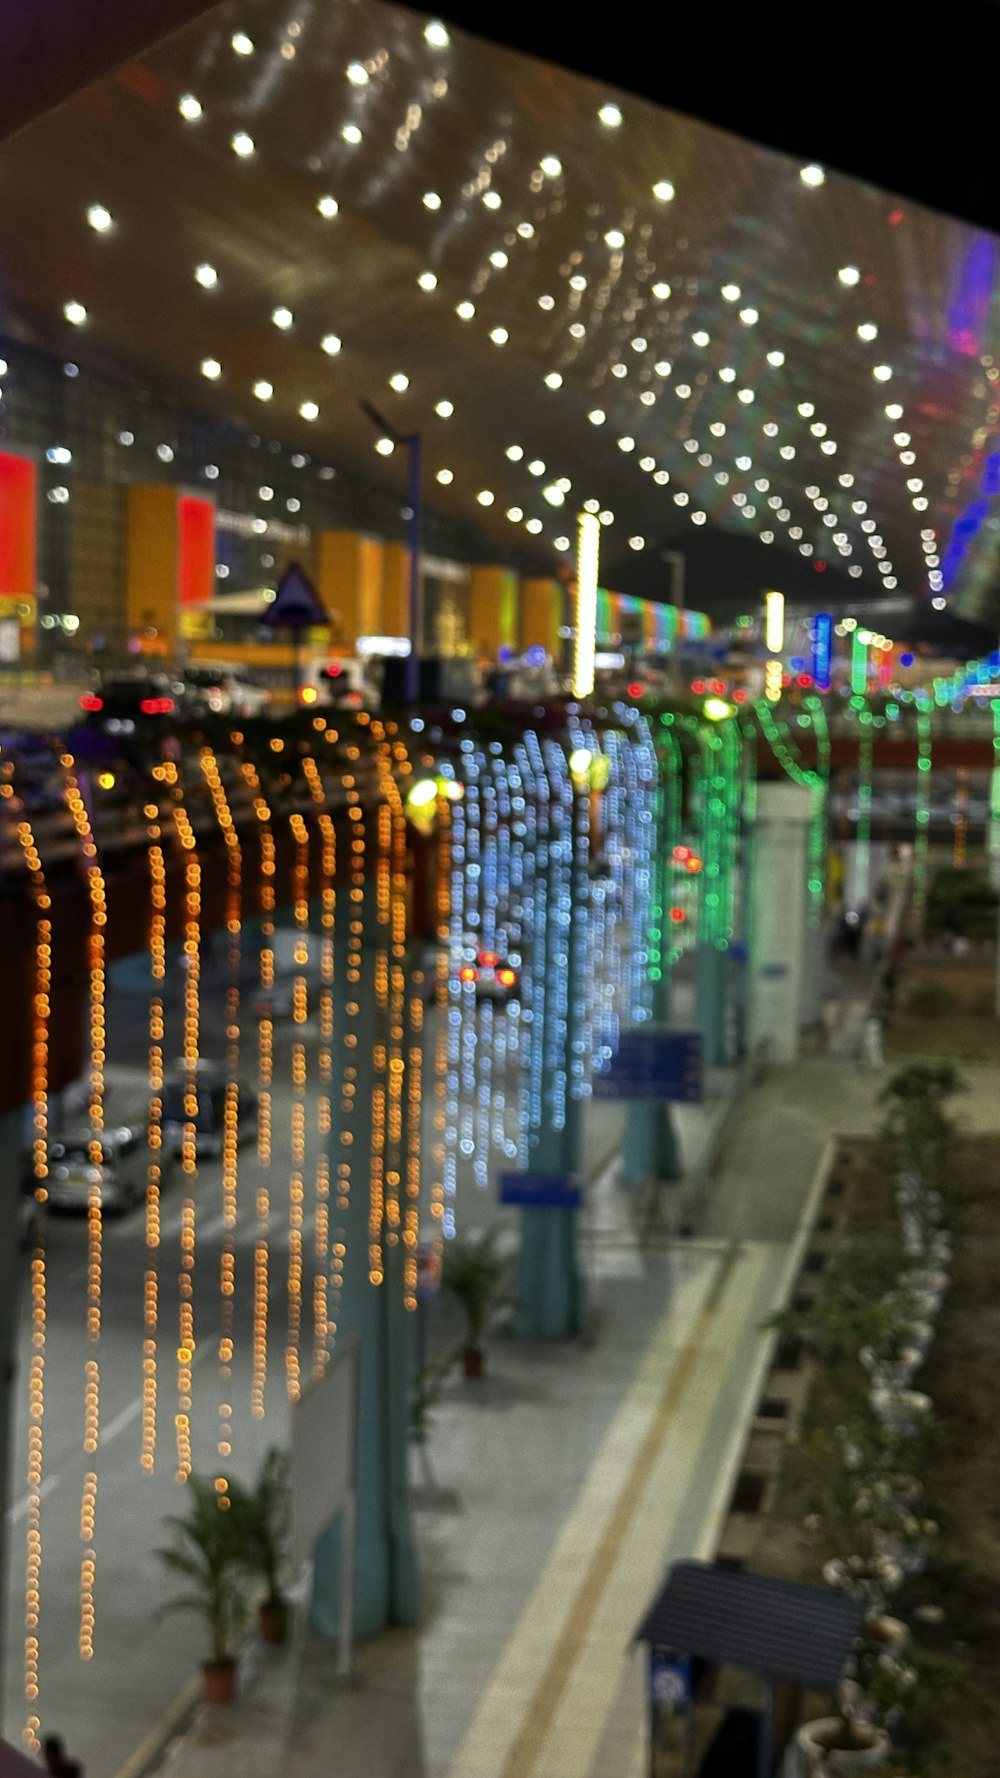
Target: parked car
209,1087
139,704
227,690
121,1173
494,973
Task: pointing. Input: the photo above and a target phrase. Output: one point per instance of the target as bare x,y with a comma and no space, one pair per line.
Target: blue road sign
655,1063
296,604
669,1680
541,1191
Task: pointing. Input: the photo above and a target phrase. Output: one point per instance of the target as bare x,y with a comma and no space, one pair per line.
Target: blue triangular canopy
296,604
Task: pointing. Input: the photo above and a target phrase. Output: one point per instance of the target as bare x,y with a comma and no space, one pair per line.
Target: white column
778,963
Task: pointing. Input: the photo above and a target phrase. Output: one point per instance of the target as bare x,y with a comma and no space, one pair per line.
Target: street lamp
414,444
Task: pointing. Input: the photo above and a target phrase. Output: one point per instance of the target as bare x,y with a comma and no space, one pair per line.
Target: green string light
921,841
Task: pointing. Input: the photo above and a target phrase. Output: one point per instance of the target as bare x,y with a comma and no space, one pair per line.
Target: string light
921,838
189,1139
265,1063
296,1186
158,967
325,1261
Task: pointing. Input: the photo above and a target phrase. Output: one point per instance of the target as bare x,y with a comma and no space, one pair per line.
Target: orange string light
265,1061
189,1141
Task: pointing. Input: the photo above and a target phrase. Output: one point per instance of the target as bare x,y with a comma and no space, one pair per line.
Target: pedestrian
57,1761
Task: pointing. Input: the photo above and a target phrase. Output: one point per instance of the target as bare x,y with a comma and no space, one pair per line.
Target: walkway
567,1479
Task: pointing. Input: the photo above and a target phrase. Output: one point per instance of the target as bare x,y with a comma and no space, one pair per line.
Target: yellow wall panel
349,582
151,562
396,590
492,609
541,614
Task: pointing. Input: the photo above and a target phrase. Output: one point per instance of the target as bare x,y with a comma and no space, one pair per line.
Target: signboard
653,1062
10,639
822,649
541,1191
324,1450
669,1680
296,604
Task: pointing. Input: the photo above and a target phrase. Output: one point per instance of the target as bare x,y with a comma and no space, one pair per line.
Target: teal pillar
548,1290
386,1589
711,971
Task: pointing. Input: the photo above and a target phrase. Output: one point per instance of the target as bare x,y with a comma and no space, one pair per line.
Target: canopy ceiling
805,364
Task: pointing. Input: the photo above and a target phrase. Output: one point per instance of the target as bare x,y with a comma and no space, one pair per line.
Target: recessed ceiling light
849,275
614,238
554,496
499,336
882,372
525,230
776,358
591,505
189,107
551,166
165,453
206,276
700,338
211,368
647,463
242,44
546,302
444,409
431,200
561,543
536,466
486,497
553,380
637,543
357,74
265,493
263,389
331,344
499,259
309,410
282,318
75,312
749,317
427,280
515,453
727,374
384,447
663,189
352,134
812,175
327,206
731,293
242,144
533,525
400,382
100,219
492,200
436,34
465,311
597,416
445,476
626,444
515,514
894,411
610,116
662,367
867,331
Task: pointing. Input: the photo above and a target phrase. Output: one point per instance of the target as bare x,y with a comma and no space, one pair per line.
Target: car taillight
90,701
506,978
156,706
467,973
488,959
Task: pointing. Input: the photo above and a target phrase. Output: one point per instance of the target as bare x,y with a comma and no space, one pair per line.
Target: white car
227,690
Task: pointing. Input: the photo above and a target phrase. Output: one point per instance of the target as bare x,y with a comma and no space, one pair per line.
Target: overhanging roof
708,324
778,1628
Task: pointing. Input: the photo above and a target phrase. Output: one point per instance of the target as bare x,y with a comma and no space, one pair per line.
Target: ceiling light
662,477
591,505
818,429
75,312
849,275
533,525
536,466
663,190
331,344
746,396
619,370
562,543
357,74
546,302
647,463
486,497
525,230
639,344
663,367
515,514
868,331
626,444
211,368
399,381
263,389
882,372
683,391
444,409
445,477
189,107
701,338
846,480
352,134
606,518
788,452
431,200
681,499
211,472
327,206
749,317
553,380
206,276
282,318
499,259
515,453
776,358
894,411
465,311
717,429
165,453
551,166
731,292
265,493
610,116
100,219
637,543
309,410
242,144
492,200
427,280
661,291
614,238
384,447
812,175
242,44
829,447
554,496
499,336
727,374
597,416
577,330
436,35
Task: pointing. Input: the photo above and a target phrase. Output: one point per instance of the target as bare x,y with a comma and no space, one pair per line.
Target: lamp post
413,443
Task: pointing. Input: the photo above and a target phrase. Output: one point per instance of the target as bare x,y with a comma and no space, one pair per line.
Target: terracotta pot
272,1620
821,1756
473,1361
219,1681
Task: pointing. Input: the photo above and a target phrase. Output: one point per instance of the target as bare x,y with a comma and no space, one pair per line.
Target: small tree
473,1272
207,1555
262,1517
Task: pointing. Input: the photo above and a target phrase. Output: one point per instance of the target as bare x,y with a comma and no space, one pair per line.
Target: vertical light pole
413,442
588,556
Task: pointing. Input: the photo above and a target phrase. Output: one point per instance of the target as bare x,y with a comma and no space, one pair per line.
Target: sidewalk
568,1478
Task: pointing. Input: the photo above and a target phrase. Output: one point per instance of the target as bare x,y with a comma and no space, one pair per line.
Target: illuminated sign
822,647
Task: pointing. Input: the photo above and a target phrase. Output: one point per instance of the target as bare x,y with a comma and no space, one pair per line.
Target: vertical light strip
322,1255
588,553
921,840
297,1132
265,1066
189,1140
151,1278
774,622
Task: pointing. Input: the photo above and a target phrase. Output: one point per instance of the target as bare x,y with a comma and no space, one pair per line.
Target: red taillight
156,706
467,973
506,978
90,701
677,915
488,959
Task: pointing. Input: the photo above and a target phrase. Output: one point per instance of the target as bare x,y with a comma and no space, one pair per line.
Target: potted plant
474,1273
262,1521
842,1745
207,1555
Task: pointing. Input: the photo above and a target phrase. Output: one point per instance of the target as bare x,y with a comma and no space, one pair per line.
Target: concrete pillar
778,961
711,981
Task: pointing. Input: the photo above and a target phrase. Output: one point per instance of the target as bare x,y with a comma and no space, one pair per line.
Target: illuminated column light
322,1254
588,552
774,622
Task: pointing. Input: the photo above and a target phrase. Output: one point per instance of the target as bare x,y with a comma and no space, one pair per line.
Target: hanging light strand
189,1142
265,1070
151,1282
922,835
296,1178
323,1258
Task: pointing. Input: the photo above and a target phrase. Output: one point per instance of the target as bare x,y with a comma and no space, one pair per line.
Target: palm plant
206,1554
262,1521
473,1272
